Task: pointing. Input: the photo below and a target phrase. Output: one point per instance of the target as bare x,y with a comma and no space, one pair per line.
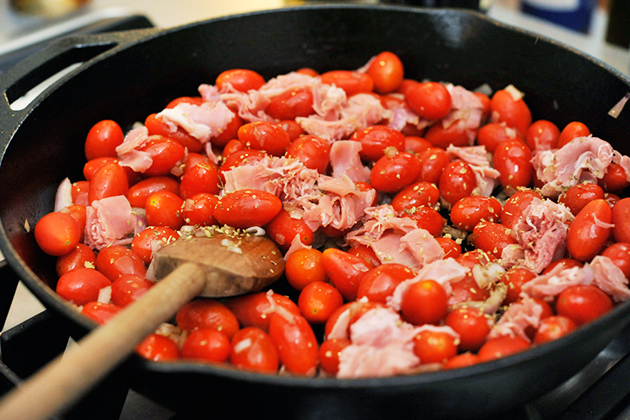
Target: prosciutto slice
128,153
200,121
108,220
518,317
345,160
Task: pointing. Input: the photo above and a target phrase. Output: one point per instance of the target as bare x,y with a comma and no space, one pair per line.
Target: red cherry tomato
80,192
432,164
416,145
252,349
283,229
242,80
552,328
81,256
614,180
472,326
514,279
109,181
78,213
246,208
394,171
457,181
513,161
461,360
501,347
303,267
352,82
318,300
428,219
430,100
199,209
542,135
416,195
588,232
307,71
493,134
293,128
345,271
264,135
229,132
583,303
515,205
163,208
158,348
81,285
572,130
116,260
143,243
387,72
128,288
296,102
200,178
93,165
367,253
442,136
57,233
102,140
157,127
380,282
450,247
138,193
475,257
565,262
207,345
467,288
434,346
375,139
621,220
329,353
424,302
492,238
312,151
296,343
165,153
255,309
619,254
100,312
515,113
471,210
207,313
578,196
193,100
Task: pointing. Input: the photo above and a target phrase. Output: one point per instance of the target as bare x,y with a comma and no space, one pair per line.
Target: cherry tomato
240,158
583,303
515,205
514,279
578,196
296,343
199,179
312,151
387,72
229,132
193,100
353,311
207,313
157,127
614,180
432,164
611,198
485,102
81,285
303,267
57,233
475,257
472,326
80,192
128,288
318,300
293,128
565,262
496,348
232,146
109,181
513,161
450,247
430,100
283,229
546,312
143,243
296,102
467,289
91,166
619,254
471,210
100,312
264,135
255,309
252,349
207,345
138,193
515,113
352,82
199,209
380,282
329,353
78,213
434,346
116,260
81,256
572,130
416,195
428,219
345,271
242,80
493,134
163,208
246,208
416,145
158,348
165,153
424,302
367,253
102,140
307,71
492,238
542,135
587,236
394,171
443,136
621,220
461,360
553,327
375,139
457,181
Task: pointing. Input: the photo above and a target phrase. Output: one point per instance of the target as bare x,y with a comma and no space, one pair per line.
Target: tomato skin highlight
434,346
515,113
552,328
513,161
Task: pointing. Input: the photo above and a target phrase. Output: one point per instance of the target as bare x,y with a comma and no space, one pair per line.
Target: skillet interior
139,76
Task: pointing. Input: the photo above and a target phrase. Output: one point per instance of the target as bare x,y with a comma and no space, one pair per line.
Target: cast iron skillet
129,75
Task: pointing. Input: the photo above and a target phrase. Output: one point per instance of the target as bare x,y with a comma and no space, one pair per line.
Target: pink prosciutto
109,220
128,153
518,317
345,160
200,121
479,161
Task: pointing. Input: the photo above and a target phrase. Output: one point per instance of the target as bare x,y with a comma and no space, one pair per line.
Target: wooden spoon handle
74,373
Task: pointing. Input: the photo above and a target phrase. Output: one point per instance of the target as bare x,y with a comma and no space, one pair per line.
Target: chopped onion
616,110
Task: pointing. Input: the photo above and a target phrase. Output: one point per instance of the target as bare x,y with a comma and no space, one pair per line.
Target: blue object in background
572,14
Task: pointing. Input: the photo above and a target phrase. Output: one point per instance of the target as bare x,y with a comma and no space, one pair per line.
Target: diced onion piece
616,110
516,94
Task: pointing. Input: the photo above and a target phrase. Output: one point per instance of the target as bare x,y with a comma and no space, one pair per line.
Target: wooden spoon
218,266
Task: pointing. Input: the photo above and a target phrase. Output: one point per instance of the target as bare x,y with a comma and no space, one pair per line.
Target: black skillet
128,75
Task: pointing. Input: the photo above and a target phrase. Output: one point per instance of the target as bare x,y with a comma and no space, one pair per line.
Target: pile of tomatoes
410,168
